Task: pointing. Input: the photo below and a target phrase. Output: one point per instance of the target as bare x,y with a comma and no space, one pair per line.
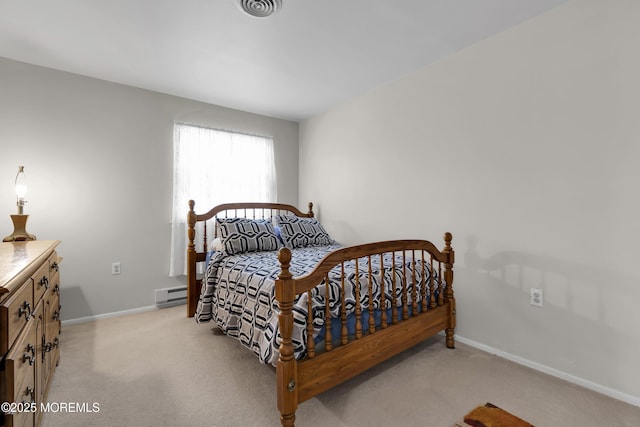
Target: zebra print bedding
239,294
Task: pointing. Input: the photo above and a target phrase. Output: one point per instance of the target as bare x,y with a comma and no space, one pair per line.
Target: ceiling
310,56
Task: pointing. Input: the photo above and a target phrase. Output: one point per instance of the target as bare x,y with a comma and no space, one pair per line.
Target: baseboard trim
108,315
607,391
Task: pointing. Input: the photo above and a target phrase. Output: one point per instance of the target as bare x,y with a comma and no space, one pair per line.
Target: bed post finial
310,213
447,239
448,290
284,256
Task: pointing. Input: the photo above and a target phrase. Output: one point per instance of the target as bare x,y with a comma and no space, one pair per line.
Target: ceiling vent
260,8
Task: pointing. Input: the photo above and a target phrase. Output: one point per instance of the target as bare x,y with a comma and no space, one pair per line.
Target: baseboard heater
168,297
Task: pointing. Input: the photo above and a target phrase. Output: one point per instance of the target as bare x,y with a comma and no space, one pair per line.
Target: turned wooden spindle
311,345
405,301
204,237
372,320
425,283
344,333
328,338
383,302
394,297
414,290
358,308
192,296
440,285
432,282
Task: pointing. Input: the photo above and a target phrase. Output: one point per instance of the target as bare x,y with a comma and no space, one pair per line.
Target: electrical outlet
115,268
536,297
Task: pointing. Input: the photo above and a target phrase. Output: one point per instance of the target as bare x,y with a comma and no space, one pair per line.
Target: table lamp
20,220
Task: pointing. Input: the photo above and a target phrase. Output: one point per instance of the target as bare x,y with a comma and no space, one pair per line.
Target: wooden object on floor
299,380
489,415
29,325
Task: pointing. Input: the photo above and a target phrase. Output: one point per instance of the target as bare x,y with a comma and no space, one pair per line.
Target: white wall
525,146
98,159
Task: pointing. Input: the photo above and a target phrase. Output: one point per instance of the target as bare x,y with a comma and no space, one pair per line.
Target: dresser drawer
26,393
21,419
52,324
25,405
15,312
19,364
53,319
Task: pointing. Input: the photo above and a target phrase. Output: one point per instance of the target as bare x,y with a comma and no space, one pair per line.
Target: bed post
448,291
286,368
192,296
310,213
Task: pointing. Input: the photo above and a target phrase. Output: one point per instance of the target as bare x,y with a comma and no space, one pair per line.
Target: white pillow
216,245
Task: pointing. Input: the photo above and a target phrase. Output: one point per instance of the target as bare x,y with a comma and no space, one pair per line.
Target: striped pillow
300,232
240,235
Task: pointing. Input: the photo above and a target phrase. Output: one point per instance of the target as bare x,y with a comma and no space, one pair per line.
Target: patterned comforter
239,294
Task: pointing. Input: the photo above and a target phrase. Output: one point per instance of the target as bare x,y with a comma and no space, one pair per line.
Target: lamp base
19,230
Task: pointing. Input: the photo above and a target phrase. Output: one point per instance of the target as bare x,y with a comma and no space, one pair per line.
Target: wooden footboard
421,312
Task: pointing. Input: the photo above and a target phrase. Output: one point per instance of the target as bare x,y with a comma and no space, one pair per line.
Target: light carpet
159,368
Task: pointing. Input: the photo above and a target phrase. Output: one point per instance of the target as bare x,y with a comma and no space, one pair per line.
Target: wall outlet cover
537,297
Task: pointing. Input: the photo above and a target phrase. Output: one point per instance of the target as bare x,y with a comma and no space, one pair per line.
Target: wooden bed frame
300,380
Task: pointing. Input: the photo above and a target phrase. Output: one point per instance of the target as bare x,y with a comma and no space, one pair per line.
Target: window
214,166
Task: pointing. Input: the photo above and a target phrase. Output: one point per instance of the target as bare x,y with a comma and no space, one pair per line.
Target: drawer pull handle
56,315
56,289
25,309
27,357
29,392
54,266
45,348
44,282
50,345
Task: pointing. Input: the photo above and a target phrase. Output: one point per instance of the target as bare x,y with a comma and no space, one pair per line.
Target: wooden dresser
29,327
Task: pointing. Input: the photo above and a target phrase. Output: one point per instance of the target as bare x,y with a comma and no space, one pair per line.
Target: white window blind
214,166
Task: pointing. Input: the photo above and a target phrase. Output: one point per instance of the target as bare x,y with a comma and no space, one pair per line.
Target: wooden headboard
197,251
